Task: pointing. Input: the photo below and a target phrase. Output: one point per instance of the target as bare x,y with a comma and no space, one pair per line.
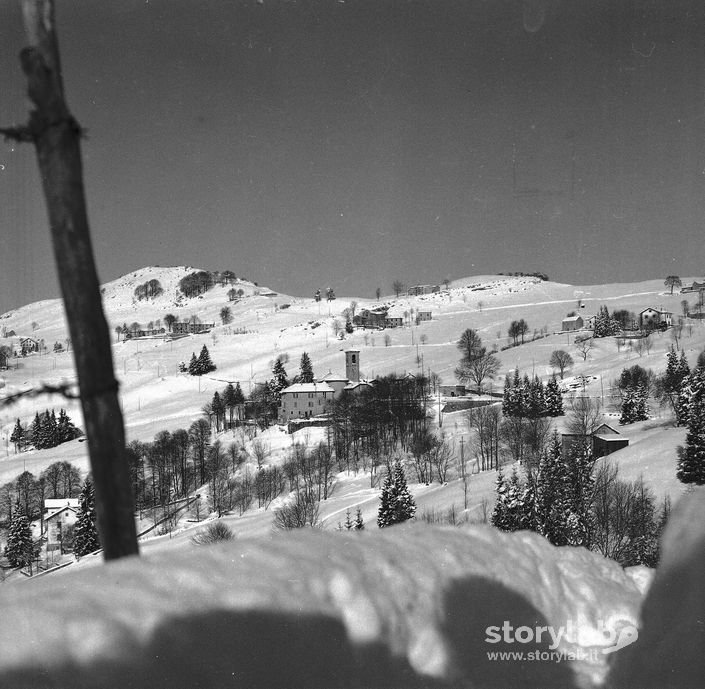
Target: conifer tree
554,399
204,365
218,409
228,399
691,457
35,432
499,513
552,494
19,549
18,437
536,404
86,534
305,369
280,380
193,365
396,503
359,523
507,398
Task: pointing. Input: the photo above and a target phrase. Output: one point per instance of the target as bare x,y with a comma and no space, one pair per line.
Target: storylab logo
609,638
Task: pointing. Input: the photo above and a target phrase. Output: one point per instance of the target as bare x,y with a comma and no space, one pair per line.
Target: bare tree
561,360
478,369
584,345
398,287
585,415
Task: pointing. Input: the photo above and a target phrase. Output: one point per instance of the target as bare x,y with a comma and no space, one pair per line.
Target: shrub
213,533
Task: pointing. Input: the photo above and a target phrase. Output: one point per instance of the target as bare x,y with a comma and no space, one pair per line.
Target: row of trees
148,290
45,432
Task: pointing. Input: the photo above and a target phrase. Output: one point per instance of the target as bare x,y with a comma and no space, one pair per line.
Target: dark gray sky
305,144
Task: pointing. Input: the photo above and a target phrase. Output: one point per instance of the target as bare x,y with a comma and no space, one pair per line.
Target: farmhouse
304,400
695,287
59,516
371,318
572,323
651,318
28,345
423,316
604,440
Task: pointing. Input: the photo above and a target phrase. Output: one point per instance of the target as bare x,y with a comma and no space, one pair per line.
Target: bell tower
352,365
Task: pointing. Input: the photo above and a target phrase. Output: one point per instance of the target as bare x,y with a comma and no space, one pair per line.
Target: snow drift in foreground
409,606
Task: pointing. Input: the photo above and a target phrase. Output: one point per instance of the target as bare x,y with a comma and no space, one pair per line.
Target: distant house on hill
650,319
695,287
604,440
572,323
371,318
394,321
190,328
28,345
423,316
417,290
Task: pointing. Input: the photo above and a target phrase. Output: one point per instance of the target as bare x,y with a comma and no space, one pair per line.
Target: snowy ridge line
408,606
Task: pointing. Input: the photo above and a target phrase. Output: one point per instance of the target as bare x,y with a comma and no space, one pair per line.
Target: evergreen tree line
222,408
45,432
201,364
531,399
523,432
570,503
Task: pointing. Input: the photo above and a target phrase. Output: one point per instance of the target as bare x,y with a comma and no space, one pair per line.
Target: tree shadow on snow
267,650
475,604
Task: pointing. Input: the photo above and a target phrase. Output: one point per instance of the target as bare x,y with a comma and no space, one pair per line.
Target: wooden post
56,136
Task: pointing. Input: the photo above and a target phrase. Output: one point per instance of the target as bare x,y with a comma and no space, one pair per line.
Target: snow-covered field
412,606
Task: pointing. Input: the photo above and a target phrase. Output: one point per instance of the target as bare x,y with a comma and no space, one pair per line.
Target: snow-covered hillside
156,397
412,606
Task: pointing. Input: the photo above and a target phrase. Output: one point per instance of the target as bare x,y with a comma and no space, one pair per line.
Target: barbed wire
66,390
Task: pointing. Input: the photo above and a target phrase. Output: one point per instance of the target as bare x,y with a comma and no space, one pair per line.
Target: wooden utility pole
56,136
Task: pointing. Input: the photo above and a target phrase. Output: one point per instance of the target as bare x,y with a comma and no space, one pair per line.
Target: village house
28,345
394,321
305,400
604,440
570,323
416,290
371,318
191,328
60,515
422,316
695,287
650,319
